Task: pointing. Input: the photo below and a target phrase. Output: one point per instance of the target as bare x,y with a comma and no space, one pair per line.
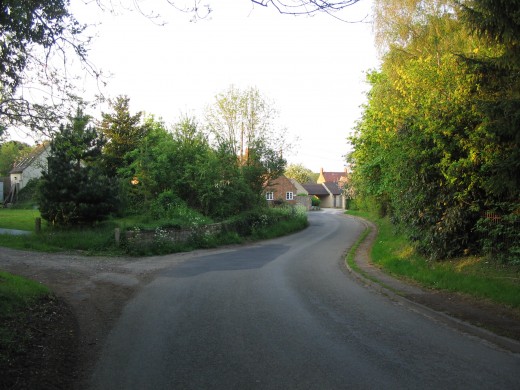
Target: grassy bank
100,240
475,276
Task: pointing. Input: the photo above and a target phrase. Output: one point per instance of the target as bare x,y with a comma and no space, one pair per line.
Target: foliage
258,222
123,132
294,221
37,37
315,201
438,141
74,189
10,152
99,239
242,123
169,207
301,174
40,39
211,181
28,196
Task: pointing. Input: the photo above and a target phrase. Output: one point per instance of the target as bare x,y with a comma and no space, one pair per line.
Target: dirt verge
499,320
68,330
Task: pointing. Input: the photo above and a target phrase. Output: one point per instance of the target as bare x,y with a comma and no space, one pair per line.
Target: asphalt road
285,314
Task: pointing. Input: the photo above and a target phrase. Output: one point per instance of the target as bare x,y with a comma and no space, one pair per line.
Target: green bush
28,196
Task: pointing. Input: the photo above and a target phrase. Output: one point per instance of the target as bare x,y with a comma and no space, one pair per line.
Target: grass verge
352,252
475,276
100,240
17,296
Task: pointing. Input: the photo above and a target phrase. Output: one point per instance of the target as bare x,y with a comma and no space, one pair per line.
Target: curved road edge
438,306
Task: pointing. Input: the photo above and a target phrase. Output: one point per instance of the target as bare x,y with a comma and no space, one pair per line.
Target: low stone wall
171,234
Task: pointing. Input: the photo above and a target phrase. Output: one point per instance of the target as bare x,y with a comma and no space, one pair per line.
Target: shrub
28,195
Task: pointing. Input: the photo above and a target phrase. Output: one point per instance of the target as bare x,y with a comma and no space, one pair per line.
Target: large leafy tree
300,173
73,190
437,144
36,38
182,164
497,65
243,123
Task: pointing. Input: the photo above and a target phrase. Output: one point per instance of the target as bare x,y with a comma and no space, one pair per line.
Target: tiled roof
21,165
299,187
333,176
315,189
332,187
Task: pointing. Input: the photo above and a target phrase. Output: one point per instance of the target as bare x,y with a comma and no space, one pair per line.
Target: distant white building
30,167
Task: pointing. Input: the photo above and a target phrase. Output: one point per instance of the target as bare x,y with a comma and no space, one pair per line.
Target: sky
312,69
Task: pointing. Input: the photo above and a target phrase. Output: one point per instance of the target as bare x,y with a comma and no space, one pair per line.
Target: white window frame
289,195
269,195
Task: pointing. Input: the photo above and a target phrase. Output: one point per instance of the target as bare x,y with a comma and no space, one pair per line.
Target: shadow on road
251,258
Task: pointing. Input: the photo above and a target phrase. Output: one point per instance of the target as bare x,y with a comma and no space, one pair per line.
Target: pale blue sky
312,68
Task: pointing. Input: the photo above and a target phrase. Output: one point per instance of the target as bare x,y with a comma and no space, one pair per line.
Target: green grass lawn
19,219
475,276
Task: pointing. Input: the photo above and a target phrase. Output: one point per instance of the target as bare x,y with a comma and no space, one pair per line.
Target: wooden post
38,225
117,235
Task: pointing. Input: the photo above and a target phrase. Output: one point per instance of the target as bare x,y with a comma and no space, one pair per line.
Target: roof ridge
28,159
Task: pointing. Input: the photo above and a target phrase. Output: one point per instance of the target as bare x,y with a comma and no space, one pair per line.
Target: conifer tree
124,133
74,190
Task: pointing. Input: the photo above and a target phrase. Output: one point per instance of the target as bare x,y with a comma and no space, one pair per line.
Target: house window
289,196
269,195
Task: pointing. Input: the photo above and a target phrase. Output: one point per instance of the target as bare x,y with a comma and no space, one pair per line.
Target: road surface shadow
242,259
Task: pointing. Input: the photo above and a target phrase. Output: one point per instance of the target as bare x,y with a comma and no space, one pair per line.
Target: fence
492,216
503,229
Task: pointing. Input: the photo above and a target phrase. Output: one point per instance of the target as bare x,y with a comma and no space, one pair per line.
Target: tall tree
73,190
123,131
40,38
36,39
300,173
244,123
496,63
438,142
